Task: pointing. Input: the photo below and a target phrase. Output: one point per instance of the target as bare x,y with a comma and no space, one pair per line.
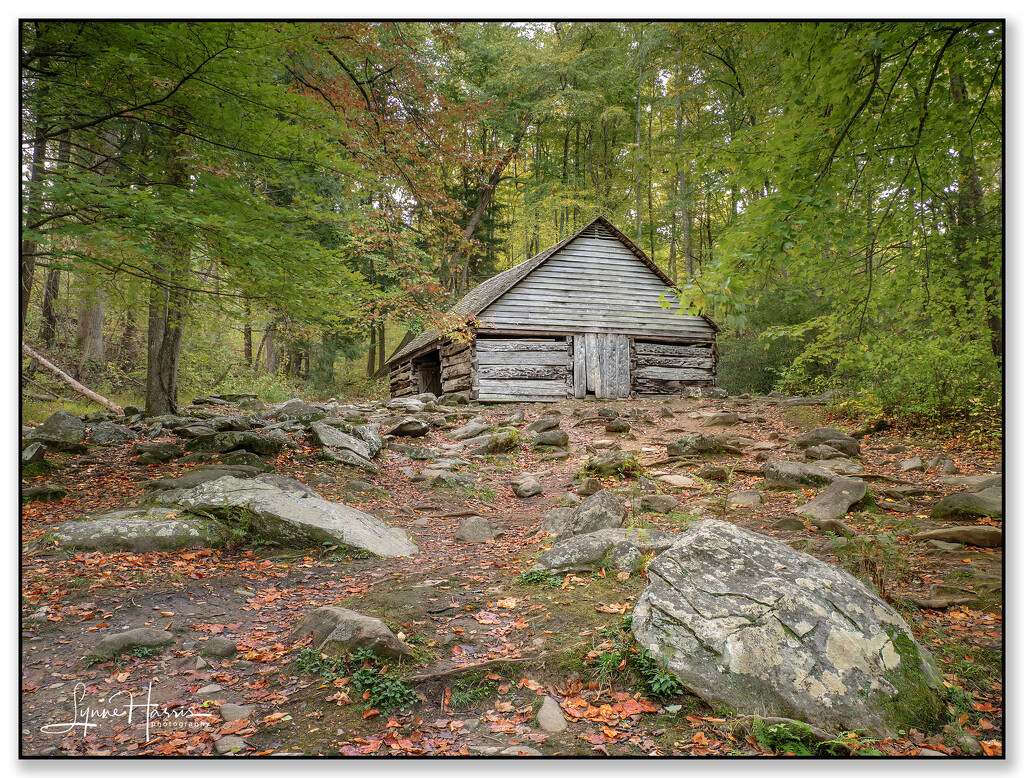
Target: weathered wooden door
601,366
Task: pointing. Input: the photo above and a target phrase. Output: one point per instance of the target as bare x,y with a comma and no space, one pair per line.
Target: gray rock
370,435
695,443
721,419
340,631
298,410
229,711
245,459
588,486
746,622
601,510
222,442
966,505
199,475
972,481
677,481
156,450
409,428
419,453
617,426
33,453
229,744
658,503
788,524
140,530
556,438
835,500
291,518
744,499
835,527
520,751
281,437
444,479
477,529
914,463
526,487
588,552
349,459
333,438
555,520
781,474
218,646
713,473
109,433
43,493
63,431
550,717
834,438
545,423
612,463
469,430
980,536
122,642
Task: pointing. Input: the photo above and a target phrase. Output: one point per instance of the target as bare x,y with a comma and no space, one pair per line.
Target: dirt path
456,603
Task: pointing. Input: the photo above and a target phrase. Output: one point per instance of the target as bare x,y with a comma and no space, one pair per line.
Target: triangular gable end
597,280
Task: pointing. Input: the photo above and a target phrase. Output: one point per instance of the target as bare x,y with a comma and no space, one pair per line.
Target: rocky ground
510,654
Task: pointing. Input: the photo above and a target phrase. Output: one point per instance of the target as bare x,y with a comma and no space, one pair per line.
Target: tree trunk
270,348
127,356
168,302
31,198
380,344
91,318
48,326
371,352
247,334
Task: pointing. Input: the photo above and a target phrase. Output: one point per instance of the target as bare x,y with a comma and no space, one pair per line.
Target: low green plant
383,690
658,681
469,688
544,578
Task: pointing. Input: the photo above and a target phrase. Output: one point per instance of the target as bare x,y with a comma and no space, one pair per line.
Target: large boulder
968,506
469,430
601,510
751,624
332,437
222,442
291,517
63,431
108,433
298,410
612,463
340,631
827,436
835,500
477,529
157,529
695,443
623,549
782,474
409,428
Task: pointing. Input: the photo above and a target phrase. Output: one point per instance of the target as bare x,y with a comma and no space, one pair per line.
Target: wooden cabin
584,317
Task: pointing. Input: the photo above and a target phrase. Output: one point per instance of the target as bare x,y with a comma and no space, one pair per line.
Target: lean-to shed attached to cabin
583,317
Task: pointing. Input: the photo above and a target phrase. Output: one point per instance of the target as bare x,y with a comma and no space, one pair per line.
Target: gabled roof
490,290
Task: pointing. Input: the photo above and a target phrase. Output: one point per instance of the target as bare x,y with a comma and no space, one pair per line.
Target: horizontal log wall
669,368
521,370
400,379
456,366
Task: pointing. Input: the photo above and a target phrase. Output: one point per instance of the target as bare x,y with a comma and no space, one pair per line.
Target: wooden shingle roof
490,290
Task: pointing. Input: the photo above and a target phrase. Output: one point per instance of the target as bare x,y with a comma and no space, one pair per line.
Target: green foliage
544,578
368,674
658,681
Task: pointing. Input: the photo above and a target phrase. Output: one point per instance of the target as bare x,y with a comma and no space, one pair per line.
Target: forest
274,206
769,526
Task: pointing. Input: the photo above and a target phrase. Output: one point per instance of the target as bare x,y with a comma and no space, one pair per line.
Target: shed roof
490,290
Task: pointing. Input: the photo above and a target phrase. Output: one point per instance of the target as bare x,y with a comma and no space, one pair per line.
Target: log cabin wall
522,369
669,368
457,366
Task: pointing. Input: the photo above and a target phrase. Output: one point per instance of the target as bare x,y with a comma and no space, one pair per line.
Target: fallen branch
82,390
451,672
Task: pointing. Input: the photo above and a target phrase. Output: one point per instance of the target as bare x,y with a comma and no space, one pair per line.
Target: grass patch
372,679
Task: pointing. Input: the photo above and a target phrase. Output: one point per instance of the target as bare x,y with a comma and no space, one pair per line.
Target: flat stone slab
966,505
157,529
980,536
619,548
296,517
121,642
783,474
835,500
